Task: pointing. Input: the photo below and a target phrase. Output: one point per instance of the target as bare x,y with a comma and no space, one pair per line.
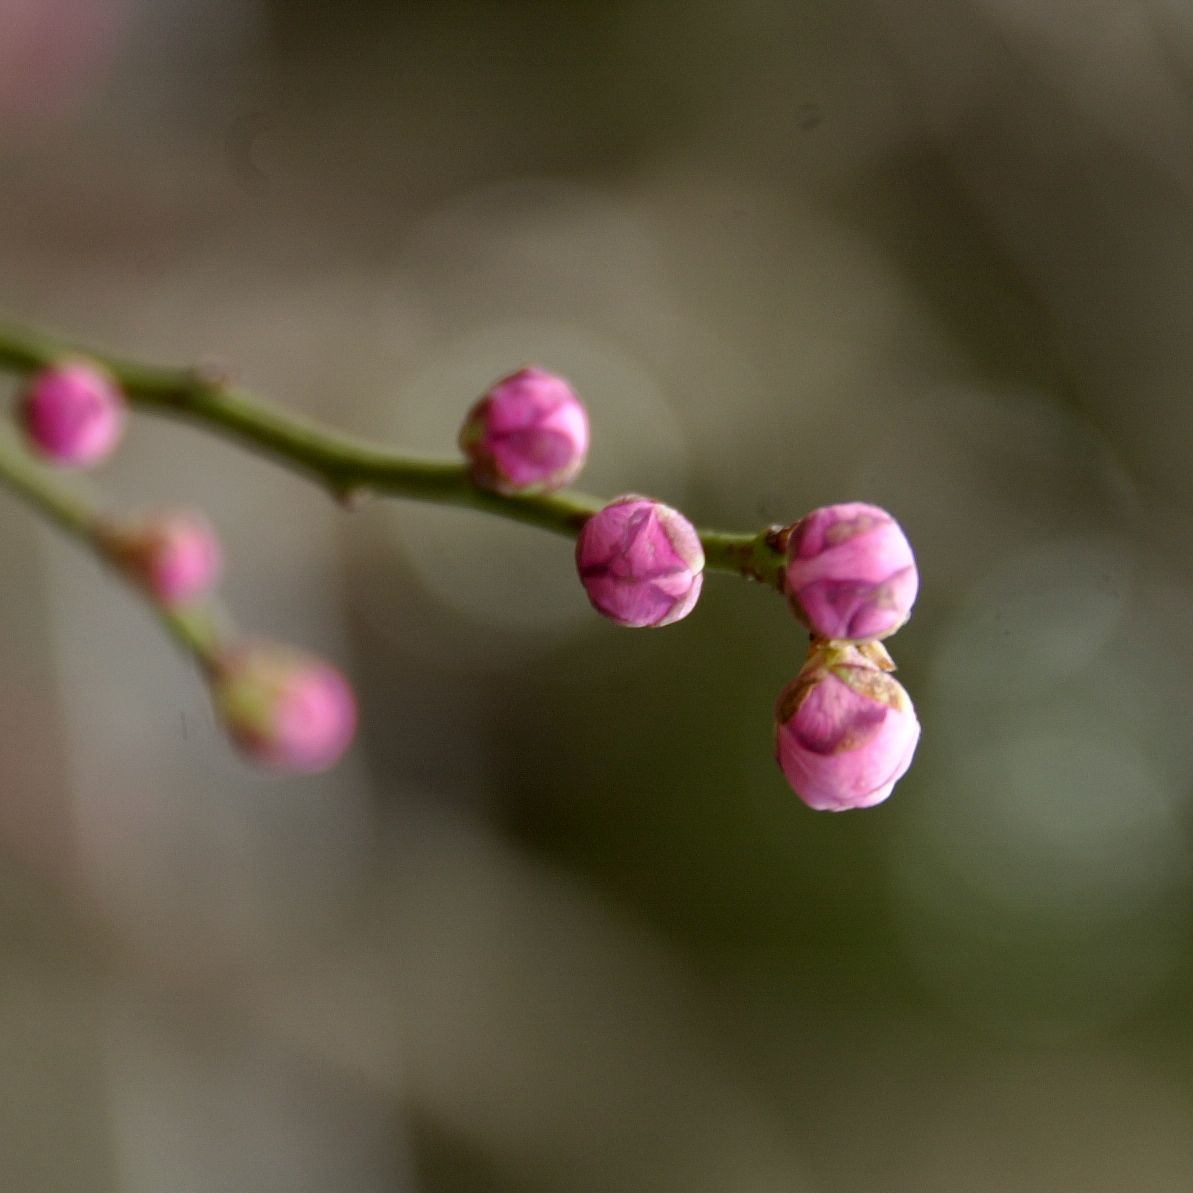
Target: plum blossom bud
527,434
176,556
845,731
641,562
286,710
73,413
850,573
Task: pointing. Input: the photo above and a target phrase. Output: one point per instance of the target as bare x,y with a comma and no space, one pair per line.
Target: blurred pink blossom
73,413
53,52
176,556
286,710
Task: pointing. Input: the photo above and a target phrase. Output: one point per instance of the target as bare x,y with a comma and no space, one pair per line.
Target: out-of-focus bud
53,54
73,413
845,731
286,710
176,556
527,434
641,562
850,573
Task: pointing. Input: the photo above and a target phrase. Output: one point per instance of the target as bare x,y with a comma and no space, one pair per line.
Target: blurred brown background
558,926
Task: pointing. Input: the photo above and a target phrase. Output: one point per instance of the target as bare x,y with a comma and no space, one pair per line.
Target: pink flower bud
286,710
845,731
641,562
850,573
73,413
176,556
528,434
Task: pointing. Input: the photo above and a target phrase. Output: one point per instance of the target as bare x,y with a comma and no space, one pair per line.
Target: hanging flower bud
641,562
845,730
286,710
175,556
527,434
73,413
850,573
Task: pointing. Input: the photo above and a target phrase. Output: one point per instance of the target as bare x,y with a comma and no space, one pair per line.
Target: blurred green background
558,925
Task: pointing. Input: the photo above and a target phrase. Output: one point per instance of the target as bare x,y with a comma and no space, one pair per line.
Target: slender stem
194,629
347,466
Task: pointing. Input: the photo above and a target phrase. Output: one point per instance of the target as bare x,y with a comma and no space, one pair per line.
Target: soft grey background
557,925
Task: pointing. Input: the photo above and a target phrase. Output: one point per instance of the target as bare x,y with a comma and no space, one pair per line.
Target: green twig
347,466
194,629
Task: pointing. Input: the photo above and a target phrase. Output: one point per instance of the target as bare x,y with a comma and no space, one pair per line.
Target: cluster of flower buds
640,561
845,729
285,710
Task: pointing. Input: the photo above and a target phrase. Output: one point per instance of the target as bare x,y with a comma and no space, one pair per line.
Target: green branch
348,466
194,629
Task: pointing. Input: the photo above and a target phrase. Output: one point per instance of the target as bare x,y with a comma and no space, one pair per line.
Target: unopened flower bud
73,413
176,556
850,573
286,710
641,562
845,731
527,434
